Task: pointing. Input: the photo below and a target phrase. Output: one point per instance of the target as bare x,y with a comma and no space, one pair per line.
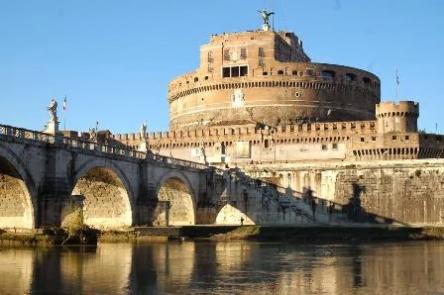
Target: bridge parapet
178,162
32,137
25,134
36,137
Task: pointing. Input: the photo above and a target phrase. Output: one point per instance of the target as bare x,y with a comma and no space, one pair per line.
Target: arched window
327,74
366,80
309,72
349,77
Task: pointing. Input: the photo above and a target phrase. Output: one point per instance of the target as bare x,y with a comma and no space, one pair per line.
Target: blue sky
113,59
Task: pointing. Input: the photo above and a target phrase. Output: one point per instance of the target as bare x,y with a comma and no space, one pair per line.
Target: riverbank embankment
318,234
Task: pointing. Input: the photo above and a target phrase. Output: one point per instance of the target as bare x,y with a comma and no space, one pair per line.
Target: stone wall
405,195
379,191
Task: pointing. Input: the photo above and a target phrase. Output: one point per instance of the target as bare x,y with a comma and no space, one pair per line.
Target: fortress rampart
358,140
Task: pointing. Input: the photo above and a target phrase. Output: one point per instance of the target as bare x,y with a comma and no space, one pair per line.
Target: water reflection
16,268
226,268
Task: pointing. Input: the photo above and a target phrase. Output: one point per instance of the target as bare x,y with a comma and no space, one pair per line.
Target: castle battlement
401,108
291,130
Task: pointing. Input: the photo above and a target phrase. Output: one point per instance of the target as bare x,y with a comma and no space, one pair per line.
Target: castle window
294,73
324,147
243,54
210,56
226,72
309,72
373,138
335,146
206,77
235,72
261,52
407,137
280,72
265,73
266,143
226,54
394,137
243,71
329,75
349,77
196,79
362,139
366,80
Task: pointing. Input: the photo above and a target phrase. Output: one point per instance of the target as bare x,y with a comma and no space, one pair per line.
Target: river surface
226,268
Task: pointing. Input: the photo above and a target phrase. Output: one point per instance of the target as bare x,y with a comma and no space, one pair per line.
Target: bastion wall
406,192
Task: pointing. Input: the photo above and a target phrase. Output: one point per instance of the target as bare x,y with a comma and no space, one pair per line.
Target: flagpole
397,84
65,104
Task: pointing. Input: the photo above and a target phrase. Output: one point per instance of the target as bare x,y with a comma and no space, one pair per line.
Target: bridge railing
175,161
10,131
32,135
103,148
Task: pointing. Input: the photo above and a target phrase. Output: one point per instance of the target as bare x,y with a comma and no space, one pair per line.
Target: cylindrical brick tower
397,117
265,78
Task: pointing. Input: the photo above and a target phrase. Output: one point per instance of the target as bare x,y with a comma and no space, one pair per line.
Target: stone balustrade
31,136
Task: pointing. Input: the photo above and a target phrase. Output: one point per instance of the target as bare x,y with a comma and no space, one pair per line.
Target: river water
226,268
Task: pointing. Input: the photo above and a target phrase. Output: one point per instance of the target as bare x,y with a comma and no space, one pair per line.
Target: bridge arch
230,215
176,189
17,193
107,196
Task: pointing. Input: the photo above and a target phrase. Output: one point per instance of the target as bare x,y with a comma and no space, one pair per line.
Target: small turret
397,117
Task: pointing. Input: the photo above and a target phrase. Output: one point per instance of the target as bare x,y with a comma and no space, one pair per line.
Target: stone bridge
41,175
120,187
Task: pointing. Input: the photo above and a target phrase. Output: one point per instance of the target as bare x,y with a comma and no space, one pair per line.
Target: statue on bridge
53,124
143,129
52,108
143,145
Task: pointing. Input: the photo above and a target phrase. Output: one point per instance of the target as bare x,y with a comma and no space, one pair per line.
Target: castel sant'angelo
257,102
